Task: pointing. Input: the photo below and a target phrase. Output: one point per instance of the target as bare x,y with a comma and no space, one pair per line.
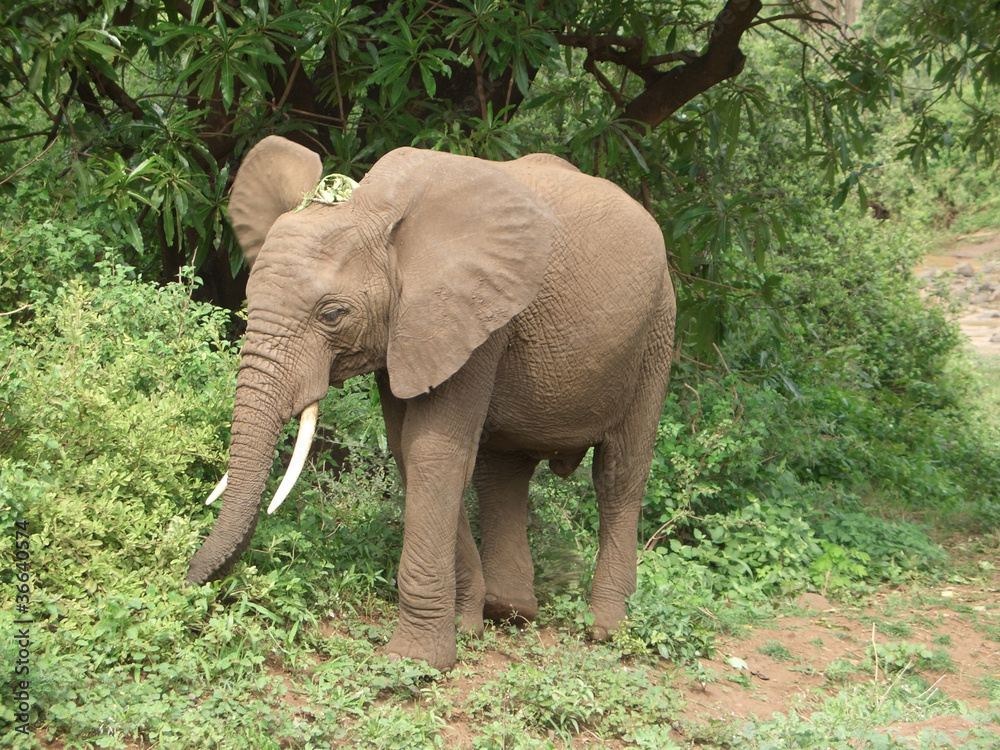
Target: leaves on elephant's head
333,188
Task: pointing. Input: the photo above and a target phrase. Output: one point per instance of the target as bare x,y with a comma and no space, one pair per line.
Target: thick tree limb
721,60
111,90
627,51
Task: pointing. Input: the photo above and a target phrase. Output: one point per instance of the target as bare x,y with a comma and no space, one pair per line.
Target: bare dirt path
949,635
970,265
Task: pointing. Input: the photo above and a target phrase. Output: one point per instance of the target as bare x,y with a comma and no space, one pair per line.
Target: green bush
855,293
116,400
703,460
41,248
673,608
115,406
114,416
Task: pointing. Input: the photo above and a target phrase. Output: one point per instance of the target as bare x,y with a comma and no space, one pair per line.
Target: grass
894,628
840,671
776,650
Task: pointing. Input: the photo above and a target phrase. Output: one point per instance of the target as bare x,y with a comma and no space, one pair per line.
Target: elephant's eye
331,315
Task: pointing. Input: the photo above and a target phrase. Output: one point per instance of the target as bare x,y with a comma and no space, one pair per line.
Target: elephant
512,313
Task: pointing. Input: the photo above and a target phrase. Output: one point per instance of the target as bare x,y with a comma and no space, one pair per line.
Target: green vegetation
824,430
776,650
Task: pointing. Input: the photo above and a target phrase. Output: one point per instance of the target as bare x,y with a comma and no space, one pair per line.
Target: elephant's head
432,253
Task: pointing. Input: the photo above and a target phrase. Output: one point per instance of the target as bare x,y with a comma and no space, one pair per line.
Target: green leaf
37,74
430,85
135,236
226,84
841,196
737,663
196,6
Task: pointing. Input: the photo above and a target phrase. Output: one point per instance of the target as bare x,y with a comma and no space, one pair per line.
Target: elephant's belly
551,418
529,445
562,461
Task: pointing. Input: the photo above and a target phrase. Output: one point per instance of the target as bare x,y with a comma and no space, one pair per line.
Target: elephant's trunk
257,423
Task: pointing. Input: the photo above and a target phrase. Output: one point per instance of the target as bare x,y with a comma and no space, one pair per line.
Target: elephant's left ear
469,245
272,179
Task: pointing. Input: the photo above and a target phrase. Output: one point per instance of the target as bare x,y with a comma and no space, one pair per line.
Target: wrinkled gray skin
513,313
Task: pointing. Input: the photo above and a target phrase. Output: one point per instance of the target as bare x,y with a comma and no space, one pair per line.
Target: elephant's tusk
219,489
307,428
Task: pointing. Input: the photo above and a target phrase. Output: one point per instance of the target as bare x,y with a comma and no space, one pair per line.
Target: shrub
114,417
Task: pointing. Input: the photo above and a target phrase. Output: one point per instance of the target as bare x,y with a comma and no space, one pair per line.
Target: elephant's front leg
470,589
470,586
438,443
436,475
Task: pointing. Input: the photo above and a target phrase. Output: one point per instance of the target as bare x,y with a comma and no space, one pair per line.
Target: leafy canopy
146,105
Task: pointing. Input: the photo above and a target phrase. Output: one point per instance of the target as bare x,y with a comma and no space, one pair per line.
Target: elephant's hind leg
619,481
501,482
621,469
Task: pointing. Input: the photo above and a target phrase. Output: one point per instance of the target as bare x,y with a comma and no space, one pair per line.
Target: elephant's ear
271,181
468,249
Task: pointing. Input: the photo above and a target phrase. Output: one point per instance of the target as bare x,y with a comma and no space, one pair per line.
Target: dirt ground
821,645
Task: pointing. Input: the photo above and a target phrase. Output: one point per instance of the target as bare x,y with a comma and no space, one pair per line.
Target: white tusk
307,428
219,489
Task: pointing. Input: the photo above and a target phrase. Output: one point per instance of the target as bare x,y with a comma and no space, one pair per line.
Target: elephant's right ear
271,181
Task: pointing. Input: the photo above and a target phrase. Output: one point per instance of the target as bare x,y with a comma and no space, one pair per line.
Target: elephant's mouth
307,429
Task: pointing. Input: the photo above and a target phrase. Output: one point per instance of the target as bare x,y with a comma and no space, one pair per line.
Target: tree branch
721,60
810,17
23,167
627,51
108,88
591,67
24,136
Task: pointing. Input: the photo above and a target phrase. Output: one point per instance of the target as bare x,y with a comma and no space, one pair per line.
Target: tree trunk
844,12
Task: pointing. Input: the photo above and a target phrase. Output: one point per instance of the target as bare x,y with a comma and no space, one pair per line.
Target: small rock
980,298
813,601
988,315
991,267
965,269
994,296
995,338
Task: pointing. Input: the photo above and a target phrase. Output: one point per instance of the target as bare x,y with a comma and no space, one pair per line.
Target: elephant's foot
438,650
519,610
470,622
510,594
469,609
607,619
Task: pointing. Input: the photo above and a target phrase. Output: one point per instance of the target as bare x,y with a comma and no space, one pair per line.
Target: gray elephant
512,312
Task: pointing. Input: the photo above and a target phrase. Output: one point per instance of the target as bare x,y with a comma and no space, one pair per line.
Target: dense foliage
819,403
147,106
